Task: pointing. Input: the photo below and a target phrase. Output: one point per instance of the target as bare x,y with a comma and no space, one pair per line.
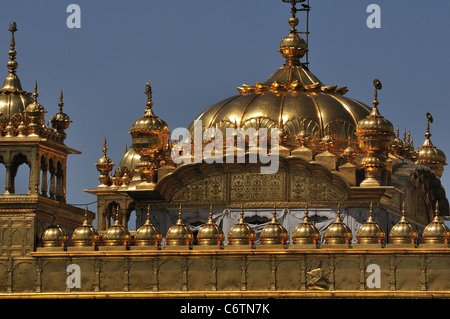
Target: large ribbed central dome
288,99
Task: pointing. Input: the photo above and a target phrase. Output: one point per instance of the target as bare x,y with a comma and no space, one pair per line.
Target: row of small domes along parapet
211,235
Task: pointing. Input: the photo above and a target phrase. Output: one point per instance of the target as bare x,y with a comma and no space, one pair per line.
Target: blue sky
197,52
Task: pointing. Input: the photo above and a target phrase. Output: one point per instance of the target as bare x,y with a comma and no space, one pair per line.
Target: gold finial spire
12,64
35,93
61,103
148,212
105,149
180,215
378,86
427,133
148,92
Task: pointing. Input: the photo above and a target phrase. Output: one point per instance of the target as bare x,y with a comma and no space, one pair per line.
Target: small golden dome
85,235
54,236
179,234
403,232
13,100
374,132
130,160
117,235
274,233
149,123
338,232
436,232
104,164
210,233
370,232
306,232
148,234
60,121
429,155
241,233
35,108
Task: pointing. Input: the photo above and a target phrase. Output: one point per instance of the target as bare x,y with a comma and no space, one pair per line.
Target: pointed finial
378,86
126,149
12,64
429,120
403,211
436,212
61,103
242,211
148,92
306,210
180,214
148,211
105,149
371,209
211,212
35,94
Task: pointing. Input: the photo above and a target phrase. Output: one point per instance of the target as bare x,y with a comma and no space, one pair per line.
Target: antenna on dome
294,10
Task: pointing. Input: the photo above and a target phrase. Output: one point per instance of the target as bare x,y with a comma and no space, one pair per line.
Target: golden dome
306,232
370,232
241,233
291,95
117,235
375,133
210,233
13,100
147,124
104,164
429,155
54,236
338,232
274,233
130,160
403,232
85,235
179,234
148,234
436,232
60,121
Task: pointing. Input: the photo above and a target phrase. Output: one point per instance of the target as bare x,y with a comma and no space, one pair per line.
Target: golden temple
348,193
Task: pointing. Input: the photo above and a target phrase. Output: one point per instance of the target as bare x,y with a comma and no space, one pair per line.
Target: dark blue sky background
197,52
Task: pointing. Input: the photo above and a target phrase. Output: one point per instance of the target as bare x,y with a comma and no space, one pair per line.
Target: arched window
20,175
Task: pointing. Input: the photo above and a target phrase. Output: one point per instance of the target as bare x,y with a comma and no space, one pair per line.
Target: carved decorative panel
250,187
305,187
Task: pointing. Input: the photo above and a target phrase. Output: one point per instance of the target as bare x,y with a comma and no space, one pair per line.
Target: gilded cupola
241,233
179,234
429,155
148,234
150,136
306,232
375,135
274,233
210,234
61,121
370,232
13,99
289,97
117,234
54,236
338,232
86,234
104,166
436,232
403,232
